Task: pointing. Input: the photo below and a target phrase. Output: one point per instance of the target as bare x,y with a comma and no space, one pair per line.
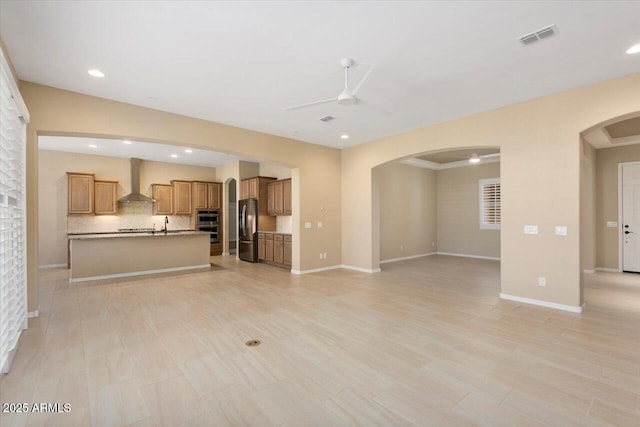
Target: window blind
13,277
490,206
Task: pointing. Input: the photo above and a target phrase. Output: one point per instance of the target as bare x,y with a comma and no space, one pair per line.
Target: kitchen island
109,255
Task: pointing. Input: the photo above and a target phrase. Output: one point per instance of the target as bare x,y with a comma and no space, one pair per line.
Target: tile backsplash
131,215
284,224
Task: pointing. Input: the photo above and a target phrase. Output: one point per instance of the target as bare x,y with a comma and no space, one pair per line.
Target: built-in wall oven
209,221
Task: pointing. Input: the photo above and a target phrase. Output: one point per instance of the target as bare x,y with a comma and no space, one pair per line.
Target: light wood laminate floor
426,342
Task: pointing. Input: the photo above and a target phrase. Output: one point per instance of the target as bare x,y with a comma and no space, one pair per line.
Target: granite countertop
115,234
275,232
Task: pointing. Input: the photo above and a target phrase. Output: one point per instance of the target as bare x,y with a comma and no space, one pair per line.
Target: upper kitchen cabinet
214,191
207,195
80,193
200,195
279,197
182,197
105,198
163,195
250,188
257,188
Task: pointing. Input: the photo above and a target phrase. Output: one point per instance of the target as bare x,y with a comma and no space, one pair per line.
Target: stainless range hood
135,195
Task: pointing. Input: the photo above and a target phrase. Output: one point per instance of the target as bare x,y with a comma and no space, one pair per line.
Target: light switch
307,225
319,224
612,224
530,229
561,230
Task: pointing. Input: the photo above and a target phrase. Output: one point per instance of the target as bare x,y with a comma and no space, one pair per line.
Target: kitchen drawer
268,236
261,235
278,237
287,237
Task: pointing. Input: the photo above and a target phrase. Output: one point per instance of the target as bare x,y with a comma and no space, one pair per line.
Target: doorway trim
620,246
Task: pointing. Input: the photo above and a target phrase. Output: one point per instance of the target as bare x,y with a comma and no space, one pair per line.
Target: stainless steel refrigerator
248,229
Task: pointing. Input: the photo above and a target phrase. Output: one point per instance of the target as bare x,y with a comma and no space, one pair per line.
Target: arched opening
440,208
610,202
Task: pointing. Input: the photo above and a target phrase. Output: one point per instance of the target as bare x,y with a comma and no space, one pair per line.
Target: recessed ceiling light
344,136
93,146
474,158
634,49
96,73
175,156
126,141
188,150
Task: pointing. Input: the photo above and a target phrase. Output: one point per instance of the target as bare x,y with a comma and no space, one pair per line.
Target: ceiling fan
345,97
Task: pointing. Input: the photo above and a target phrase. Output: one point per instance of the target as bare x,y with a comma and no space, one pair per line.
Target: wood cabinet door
182,197
80,193
253,188
286,197
287,253
200,195
262,247
105,199
244,189
215,195
277,186
163,195
268,252
278,251
271,198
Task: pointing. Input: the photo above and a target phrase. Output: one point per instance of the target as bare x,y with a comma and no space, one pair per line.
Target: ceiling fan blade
295,107
363,79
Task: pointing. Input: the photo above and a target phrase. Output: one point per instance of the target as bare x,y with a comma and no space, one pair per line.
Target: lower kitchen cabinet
275,249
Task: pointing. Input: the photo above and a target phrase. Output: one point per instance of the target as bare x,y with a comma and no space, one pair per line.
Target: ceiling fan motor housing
346,99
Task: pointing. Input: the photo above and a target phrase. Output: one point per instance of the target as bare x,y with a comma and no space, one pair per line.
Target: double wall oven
209,221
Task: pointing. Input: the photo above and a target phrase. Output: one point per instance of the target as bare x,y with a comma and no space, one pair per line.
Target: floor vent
326,118
252,343
540,34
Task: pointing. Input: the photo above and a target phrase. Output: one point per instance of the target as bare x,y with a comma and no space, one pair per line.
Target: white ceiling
241,63
137,149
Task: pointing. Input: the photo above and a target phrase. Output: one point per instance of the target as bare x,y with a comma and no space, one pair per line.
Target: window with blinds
13,280
490,207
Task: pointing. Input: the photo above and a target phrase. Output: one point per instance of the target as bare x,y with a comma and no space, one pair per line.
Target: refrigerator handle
244,220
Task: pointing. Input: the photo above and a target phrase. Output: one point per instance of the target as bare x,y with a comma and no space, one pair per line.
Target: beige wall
407,210
458,204
540,148
317,175
52,190
607,161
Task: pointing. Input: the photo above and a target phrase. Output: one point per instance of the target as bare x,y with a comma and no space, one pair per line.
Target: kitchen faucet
166,222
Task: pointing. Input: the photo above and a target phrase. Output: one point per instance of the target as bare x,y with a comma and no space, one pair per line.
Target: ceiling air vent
326,118
540,34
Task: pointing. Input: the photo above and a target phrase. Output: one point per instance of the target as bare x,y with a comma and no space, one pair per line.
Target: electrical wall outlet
542,281
561,230
401,248
321,255
319,224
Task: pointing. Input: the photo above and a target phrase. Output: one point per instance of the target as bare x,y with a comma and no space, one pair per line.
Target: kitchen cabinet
163,195
80,188
214,195
275,249
262,247
181,197
244,189
253,188
200,195
279,198
268,251
286,197
278,248
206,195
105,197
286,255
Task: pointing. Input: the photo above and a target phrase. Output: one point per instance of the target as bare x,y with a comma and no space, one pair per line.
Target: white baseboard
385,261
315,270
361,270
563,307
139,273
469,256
35,313
587,271
335,267
52,266
609,270
225,253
